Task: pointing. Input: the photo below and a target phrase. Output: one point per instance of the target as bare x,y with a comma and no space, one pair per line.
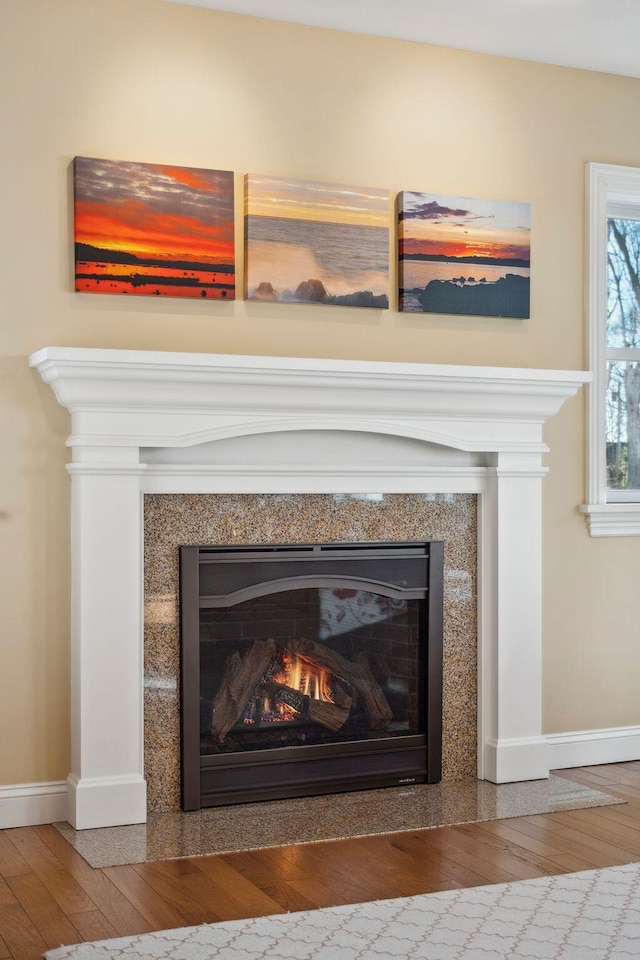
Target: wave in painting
302,261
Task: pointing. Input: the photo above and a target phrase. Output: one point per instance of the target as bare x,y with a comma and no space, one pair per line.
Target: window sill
612,519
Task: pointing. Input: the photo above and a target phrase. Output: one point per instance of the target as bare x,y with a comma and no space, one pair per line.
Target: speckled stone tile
314,819
172,520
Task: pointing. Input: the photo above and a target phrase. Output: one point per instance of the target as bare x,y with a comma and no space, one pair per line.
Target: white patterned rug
594,915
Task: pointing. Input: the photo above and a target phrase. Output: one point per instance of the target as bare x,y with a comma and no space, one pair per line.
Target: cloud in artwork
167,189
439,225
154,209
432,210
289,199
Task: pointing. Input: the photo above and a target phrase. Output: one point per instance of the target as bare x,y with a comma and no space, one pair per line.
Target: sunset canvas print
463,256
153,229
310,242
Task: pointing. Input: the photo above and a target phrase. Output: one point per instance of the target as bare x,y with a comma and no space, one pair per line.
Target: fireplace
309,668
145,422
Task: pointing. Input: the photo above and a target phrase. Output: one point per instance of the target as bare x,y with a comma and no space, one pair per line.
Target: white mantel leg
513,747
106,783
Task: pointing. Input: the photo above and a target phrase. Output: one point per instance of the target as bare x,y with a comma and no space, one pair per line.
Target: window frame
611,191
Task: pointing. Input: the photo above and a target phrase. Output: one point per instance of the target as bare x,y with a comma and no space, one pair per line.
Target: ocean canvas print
153,229
464,256
311,242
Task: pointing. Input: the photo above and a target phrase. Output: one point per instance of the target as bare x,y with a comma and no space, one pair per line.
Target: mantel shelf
153,399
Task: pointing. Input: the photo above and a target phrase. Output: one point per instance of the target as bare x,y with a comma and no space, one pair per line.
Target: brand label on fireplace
407,780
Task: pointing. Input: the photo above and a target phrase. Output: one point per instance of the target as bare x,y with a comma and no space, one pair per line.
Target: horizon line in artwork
153,229
464,256
315,242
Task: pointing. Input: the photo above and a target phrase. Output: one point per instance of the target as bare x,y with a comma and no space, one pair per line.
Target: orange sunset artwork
153,229
464,256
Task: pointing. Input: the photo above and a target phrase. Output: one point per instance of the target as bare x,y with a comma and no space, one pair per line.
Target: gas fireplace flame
306,676
306,682
296,689
293,675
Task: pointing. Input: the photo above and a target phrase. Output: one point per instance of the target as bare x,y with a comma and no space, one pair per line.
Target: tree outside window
623,368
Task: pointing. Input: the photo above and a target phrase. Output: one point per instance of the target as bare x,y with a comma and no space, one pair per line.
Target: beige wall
152,81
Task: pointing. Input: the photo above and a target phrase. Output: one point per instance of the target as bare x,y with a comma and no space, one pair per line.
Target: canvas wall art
309,242
153,229
464,256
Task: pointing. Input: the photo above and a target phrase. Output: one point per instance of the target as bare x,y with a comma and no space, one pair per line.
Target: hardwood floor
49,895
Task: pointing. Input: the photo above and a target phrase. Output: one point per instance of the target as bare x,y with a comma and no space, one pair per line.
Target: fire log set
306,681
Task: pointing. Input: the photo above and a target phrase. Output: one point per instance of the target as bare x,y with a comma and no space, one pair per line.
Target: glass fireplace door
311,667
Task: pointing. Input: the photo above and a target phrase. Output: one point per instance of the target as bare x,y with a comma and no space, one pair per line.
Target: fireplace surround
159,423
172,520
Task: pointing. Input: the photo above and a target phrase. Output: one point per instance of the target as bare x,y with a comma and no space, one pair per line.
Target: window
613,310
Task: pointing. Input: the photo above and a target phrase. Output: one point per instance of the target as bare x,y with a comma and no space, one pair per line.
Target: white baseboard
588,748
28,804
106,801
515,760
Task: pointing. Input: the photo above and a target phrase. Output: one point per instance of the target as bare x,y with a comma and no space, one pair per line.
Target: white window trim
610,190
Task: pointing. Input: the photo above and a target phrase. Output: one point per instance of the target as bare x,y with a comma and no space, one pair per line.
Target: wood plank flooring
49,895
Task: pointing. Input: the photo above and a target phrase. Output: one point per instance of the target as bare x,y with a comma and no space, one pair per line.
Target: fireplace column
512,743
106,784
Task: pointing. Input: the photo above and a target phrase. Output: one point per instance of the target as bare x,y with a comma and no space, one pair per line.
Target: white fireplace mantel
148,422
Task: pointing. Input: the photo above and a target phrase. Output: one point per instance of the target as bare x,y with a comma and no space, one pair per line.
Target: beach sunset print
310,242
464,256
153,229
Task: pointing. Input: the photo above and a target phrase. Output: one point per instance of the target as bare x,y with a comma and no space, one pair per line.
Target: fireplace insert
309,668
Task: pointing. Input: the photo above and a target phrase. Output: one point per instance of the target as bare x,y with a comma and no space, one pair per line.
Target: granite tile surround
172,520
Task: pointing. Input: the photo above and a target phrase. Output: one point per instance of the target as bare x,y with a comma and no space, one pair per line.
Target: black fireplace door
309,669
